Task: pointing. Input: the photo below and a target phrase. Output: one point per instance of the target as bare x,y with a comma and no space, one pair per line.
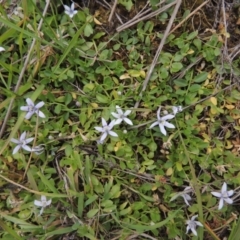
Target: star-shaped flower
162,122
22,143
42,203
121,116
192,224
176,109
106,129
184,194
2,49
224,196
31,109
70,10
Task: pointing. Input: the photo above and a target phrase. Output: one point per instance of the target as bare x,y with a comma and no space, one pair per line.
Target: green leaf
176,67
92,213
200,77
88,30
102,99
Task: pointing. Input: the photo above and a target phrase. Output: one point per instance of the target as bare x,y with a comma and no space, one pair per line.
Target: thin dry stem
155,60
185,19
150,15
112,11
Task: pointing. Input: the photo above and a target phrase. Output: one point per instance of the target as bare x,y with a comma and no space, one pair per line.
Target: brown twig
112,11
154,62
185,19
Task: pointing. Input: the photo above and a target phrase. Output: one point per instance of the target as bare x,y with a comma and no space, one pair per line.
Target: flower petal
198,223
23,136
103,136
119,110
49,202
115,115
41,114
38,203
230,193
169,125
2,49
43,198
113,134
118,121
154,124
216,194
15,140
29,115
28,140
228,200
67,9
167,117
111,125
100,129
224,187
27,148
127,112
194,231
72,6
24,108
104,123
30,102
39,105
220,204
16,149
162,129
128,121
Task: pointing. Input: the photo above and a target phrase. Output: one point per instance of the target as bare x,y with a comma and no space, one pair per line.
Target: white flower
184,194
106,129
121,116
176,109
31,109
162,122
38,149
22,143
42,203
224,196
2,49
192,224
70,10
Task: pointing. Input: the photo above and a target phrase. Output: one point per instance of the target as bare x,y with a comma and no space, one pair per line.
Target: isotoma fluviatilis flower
106,129
224,196
192,225
42,203
162,122
31,109
70,10
2,49
184,194
122,116
22,143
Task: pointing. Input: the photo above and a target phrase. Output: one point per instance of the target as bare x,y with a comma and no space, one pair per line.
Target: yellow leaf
96,21
125,76
169,172
94,105
117,146
229,106
190,51
213,101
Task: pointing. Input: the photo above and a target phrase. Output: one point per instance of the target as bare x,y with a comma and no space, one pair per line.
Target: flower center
192,224
225,195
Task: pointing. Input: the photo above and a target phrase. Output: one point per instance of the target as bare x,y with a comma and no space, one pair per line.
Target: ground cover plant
119,120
